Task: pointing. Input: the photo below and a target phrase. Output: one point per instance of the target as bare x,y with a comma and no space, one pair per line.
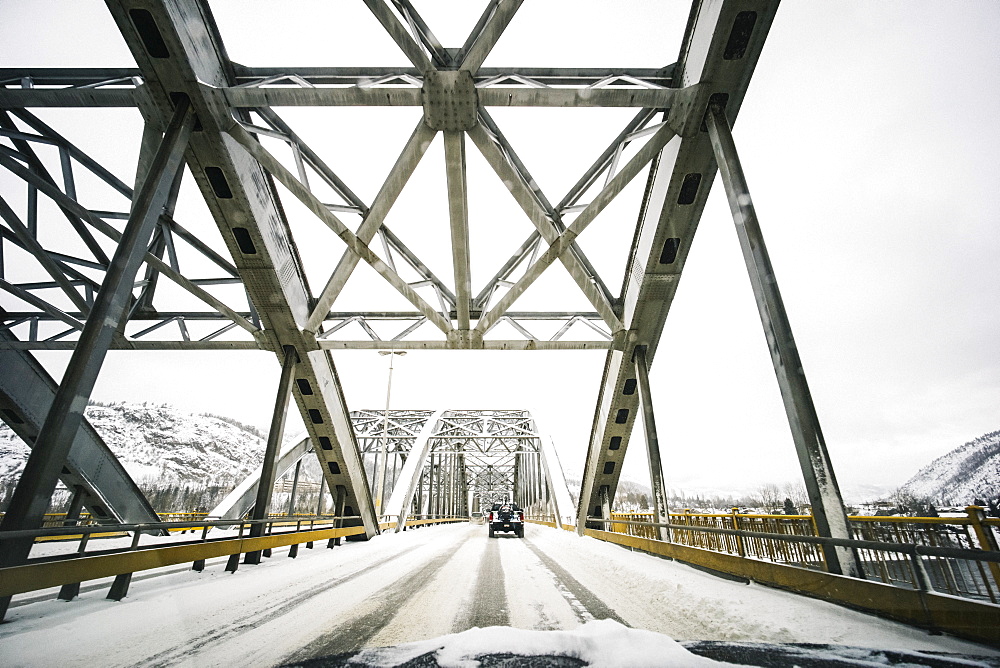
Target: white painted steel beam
239,501
401,498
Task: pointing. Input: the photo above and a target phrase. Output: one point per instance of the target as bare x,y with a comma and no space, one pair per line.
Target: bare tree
769,497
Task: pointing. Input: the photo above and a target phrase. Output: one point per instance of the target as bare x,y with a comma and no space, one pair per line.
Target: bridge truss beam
180,55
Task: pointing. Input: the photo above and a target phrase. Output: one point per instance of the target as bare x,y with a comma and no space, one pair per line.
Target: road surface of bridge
423,584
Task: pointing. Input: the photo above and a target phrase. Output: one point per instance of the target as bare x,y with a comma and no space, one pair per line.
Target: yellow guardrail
976,620
75,569
31,577
952,576
967,618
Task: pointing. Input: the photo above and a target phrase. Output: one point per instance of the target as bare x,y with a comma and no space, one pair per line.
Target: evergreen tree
790,508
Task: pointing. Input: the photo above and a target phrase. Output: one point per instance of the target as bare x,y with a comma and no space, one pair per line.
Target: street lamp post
380,473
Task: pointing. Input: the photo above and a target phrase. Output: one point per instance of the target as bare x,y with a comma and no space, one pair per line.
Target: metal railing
949,565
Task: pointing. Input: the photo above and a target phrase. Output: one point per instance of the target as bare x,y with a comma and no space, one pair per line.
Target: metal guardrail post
987,540
605,507
740,547
119,588
293,549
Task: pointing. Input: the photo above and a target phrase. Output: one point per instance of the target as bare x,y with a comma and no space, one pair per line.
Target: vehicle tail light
521,516
491,517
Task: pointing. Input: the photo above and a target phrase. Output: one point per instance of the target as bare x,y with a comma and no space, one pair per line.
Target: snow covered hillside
967,472
160,444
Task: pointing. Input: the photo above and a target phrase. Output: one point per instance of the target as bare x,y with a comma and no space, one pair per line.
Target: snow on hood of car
598,643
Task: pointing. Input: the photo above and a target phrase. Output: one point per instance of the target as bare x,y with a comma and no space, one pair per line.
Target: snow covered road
417,585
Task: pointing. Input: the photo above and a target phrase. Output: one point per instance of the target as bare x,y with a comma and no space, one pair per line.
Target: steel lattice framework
443,464
463,460
94,285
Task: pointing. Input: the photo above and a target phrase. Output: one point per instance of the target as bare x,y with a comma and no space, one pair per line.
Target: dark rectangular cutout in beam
616,443
244,241
315,416
622,416
149,33
669,253
220,186
689,189
739,38
324,442
334,467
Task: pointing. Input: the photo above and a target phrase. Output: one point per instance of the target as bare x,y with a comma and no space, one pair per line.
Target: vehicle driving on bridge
506,517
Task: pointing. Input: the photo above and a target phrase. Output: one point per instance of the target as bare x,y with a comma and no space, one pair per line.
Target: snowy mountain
967,472
160,444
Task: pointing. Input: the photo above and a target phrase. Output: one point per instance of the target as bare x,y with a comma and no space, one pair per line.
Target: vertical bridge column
34,490
817,469
661,514
266,485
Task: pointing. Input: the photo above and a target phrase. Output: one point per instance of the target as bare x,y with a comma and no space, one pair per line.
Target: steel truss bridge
436,464
94,273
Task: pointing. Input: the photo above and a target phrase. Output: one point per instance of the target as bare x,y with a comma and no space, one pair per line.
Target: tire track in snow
355,633
584,602
275,609
488,606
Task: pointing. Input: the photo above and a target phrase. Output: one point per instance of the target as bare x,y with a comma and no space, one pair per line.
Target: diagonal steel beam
399,35
499,18
396,244
604,160
561,244
354,244
26,393
40,303
313,159
400,173
483,298
422,32
244,203
29,156
555,215
546,227
458,212
810,445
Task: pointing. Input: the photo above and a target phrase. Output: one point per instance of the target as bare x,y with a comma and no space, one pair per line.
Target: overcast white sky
869,141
